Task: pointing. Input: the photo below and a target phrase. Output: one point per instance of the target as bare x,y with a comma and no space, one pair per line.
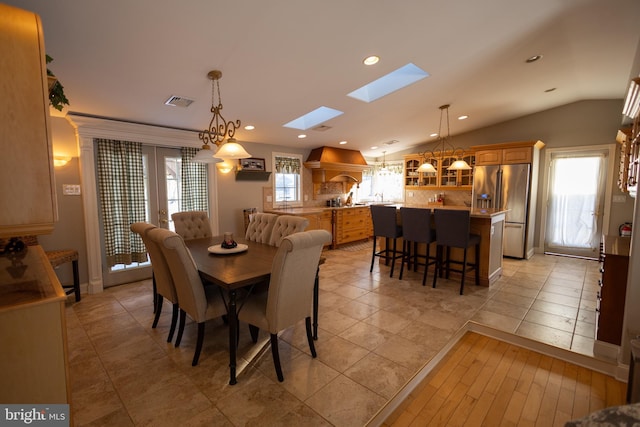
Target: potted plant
56,91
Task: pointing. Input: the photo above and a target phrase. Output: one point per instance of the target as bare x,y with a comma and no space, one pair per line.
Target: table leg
233,336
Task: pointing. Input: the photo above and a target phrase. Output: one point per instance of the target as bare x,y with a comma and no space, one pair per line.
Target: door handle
162,212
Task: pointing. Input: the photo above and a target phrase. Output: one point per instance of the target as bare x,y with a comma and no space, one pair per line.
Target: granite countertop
475,213
310,210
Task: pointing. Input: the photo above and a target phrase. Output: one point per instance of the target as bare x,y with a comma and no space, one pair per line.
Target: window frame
299,199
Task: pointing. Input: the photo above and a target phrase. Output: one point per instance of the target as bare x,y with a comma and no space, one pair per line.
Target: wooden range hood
336,164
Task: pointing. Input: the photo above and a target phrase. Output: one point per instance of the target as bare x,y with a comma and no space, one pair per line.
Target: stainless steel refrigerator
506,187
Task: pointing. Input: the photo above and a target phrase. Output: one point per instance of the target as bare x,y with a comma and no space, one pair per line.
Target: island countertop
475,212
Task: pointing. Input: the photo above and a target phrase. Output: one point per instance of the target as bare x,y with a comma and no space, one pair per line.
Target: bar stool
416,228
385,225
453,231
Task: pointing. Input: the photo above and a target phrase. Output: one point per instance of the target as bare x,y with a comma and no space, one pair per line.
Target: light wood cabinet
26,167
320,221
629,139
504,156
442,178
33,360
352,224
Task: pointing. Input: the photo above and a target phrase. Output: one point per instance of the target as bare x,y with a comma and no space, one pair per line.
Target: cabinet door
517,155
26,169
488,157
411,174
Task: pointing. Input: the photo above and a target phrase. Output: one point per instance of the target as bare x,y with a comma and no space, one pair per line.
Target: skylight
395,80
317,116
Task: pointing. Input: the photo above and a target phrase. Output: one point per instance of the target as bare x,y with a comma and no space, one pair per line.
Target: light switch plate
71,189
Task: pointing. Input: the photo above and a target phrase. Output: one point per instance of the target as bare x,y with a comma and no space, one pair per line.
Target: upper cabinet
26,168
507,153
629,138
442,178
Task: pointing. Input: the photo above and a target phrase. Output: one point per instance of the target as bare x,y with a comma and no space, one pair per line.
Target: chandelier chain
219,129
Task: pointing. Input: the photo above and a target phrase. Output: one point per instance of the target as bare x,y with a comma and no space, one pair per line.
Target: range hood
336,164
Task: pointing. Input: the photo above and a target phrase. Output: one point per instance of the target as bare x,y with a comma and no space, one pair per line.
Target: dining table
236,272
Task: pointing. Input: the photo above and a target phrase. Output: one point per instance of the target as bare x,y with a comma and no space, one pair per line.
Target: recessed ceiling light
375,147
433,135
533,58
342,142
249,127
550,89
370,60
302,135
463,117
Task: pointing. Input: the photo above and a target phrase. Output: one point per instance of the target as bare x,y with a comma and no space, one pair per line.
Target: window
287,181
383,184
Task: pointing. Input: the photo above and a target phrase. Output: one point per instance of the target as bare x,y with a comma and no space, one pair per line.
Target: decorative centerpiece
228,242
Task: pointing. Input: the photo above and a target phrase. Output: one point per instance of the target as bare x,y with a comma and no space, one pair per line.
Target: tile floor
375,333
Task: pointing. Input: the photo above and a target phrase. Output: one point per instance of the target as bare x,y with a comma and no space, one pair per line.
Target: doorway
576,187
162,183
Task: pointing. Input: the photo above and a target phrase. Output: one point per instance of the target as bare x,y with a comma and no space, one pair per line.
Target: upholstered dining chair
385,224
260,226
192,224
286,225
453,231
290,295
417,228
161,276
200,302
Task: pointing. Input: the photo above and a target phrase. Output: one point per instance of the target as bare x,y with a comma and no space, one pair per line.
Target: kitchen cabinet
352,224
33,360
629,139
26,168
614,263
505,154
320,221
442,178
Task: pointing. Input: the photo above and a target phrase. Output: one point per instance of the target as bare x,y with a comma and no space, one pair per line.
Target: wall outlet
269,199
306,197
71,189
409,193
619,199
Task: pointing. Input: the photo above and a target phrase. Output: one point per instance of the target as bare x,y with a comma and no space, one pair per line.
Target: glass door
575,203
162,181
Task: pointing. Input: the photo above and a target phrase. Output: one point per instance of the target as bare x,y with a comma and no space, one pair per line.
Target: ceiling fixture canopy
219,130
443,148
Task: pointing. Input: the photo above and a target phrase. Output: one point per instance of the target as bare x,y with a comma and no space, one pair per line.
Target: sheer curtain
193,183
575,189
121,187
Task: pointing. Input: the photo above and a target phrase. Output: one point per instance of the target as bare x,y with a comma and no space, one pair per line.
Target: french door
162,180
575,202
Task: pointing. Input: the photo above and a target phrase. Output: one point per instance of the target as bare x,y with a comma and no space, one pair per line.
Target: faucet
381,196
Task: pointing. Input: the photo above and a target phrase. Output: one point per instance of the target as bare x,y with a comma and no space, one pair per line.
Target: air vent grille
178,101
321,128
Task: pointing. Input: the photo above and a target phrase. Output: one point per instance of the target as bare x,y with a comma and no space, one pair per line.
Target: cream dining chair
162,279
200,302
290,295
260,226
192,224
286,225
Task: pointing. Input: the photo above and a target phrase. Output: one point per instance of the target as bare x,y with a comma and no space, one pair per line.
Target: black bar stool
385,224
416,228
453,231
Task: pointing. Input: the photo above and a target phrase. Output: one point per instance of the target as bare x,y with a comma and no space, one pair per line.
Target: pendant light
443,148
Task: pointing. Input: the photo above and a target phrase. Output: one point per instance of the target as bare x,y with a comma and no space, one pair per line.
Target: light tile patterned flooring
375,333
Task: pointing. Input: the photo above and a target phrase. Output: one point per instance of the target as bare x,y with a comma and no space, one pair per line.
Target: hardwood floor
486,382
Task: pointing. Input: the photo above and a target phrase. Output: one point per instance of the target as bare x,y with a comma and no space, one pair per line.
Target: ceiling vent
393,141
321,128
178,101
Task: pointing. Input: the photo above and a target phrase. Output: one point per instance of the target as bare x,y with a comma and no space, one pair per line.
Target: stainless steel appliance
506,187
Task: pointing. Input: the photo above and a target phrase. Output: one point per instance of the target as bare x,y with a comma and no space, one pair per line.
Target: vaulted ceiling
280,59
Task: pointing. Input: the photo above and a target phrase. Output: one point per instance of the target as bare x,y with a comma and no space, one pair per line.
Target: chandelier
443,148
219,130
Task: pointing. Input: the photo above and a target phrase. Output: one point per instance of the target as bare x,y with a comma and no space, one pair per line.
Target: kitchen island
349,224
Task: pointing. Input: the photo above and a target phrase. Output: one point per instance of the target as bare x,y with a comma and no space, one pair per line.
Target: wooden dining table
231,272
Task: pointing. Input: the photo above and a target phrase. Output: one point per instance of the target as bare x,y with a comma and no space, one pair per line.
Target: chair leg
477,266
155,292
76,279
373,255
174,320
438,265
196,354
464,271
312,347
276,356
253,330
405,257
158,311
415,256
426,266
183,318
393,256
316,292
